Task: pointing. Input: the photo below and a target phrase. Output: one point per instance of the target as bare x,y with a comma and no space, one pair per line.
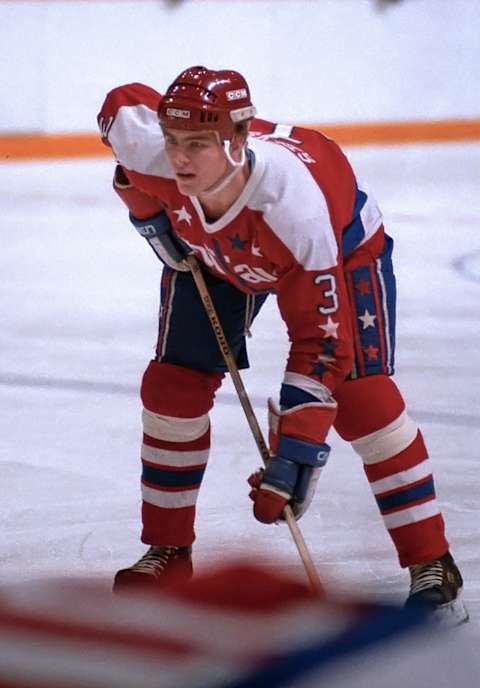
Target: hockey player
266,208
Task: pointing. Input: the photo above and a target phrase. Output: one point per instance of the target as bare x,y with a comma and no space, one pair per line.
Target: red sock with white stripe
175,449
372,417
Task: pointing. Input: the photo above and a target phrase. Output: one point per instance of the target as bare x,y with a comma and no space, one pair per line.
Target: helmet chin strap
236,167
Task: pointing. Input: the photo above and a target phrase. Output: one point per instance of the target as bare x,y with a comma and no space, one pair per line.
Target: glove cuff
156,225
309,423
157,230
305,453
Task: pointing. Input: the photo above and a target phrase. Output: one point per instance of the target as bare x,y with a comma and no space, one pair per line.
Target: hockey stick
231,364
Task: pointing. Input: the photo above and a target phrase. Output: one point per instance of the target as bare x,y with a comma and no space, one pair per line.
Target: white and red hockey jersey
301,215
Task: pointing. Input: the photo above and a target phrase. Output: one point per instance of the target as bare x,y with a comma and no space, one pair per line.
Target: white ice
78,303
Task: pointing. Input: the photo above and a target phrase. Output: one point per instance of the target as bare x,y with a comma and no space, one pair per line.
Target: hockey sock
373,418
176,443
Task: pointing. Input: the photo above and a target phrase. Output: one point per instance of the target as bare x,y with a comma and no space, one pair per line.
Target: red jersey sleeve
315,308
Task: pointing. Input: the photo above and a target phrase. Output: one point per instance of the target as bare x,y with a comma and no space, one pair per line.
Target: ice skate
159,567
438,585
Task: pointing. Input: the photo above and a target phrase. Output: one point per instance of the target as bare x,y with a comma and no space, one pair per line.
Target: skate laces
155,560
426,576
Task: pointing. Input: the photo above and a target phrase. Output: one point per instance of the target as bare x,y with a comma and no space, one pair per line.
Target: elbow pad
139,203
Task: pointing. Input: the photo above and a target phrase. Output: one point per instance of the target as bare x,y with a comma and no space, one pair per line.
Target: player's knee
387,442
172,429
176,402
173,390
366,405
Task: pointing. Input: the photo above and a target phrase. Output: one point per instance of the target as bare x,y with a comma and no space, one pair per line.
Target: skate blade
451,614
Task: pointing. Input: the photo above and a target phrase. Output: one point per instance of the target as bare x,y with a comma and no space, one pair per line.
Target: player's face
197,159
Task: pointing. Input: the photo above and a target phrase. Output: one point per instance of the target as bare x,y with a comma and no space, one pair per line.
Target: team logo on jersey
177,112
208,256
238,94
253,274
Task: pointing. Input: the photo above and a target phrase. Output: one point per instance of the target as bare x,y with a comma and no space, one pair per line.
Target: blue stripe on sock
163,478
403,498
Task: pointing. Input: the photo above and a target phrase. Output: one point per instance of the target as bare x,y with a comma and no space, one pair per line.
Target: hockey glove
151,222
298,455
157,230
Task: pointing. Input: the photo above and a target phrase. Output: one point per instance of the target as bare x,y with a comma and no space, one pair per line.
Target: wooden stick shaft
231,364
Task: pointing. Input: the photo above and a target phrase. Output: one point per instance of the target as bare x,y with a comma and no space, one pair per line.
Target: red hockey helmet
202,98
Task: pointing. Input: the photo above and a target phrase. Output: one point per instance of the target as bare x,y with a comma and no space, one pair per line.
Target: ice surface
78,303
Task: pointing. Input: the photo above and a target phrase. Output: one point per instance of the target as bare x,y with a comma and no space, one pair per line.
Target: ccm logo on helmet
238,94
176,112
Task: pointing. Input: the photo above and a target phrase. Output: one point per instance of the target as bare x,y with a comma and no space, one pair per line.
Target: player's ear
239,138
236,146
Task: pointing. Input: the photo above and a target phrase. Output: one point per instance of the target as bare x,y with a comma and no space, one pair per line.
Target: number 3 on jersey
329,286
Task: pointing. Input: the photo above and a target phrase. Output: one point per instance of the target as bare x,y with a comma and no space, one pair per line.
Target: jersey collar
258,167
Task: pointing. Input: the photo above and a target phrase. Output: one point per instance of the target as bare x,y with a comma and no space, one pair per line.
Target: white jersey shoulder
370,214
137,141
293,205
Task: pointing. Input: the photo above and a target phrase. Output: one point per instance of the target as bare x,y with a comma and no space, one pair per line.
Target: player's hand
299,453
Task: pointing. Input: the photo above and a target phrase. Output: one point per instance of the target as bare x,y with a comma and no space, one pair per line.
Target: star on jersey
329,346
363,287
368,319
372,352
237,242
319,368
256,251
330,328
183,215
